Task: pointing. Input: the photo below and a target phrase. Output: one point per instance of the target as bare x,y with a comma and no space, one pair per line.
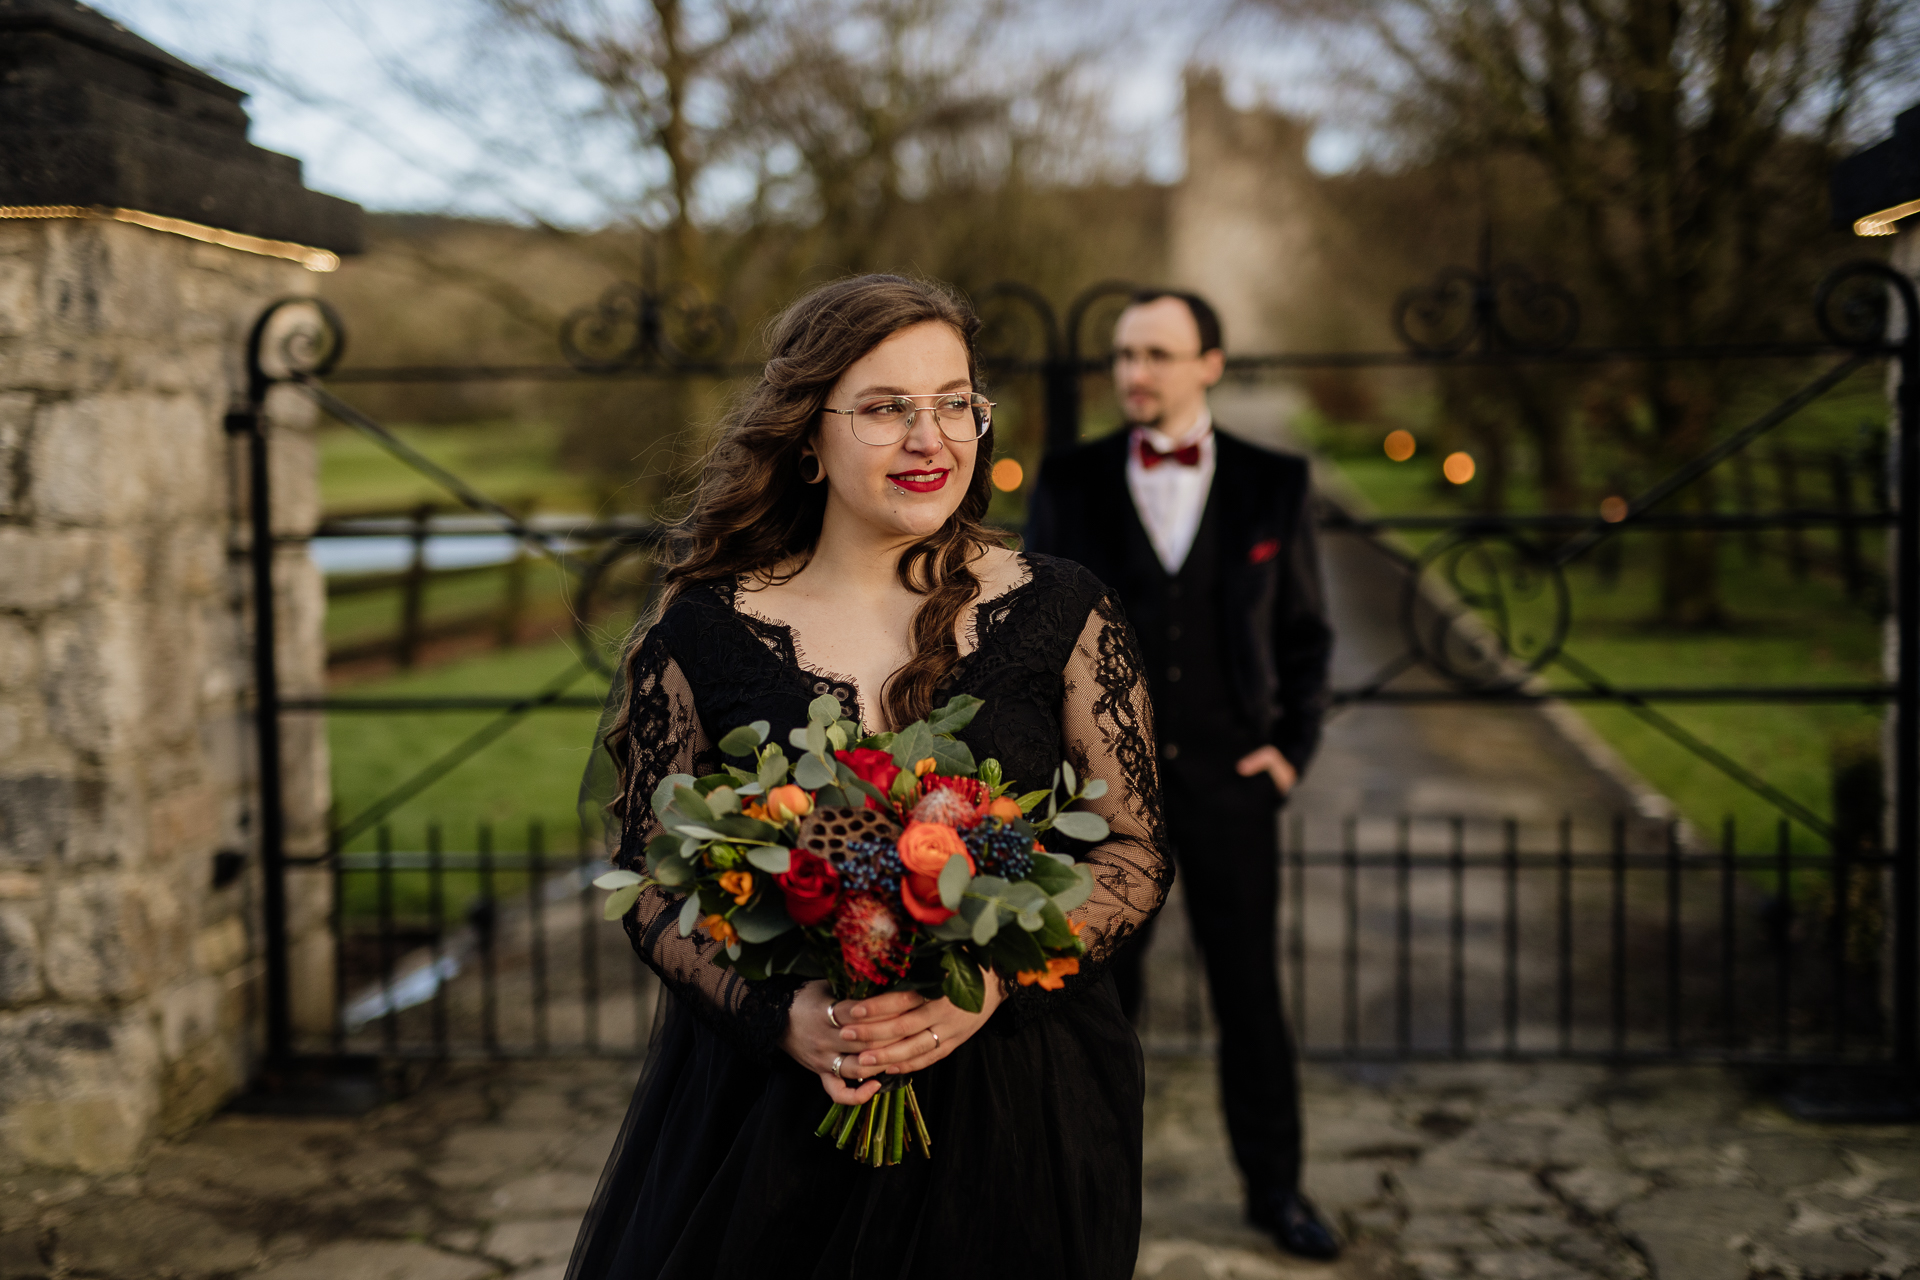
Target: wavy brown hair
751,514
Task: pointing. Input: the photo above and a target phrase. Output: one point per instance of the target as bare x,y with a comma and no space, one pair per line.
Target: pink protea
869,937
953,802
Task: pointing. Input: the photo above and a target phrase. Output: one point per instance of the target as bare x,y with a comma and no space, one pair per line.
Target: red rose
870,764
920,895
811,886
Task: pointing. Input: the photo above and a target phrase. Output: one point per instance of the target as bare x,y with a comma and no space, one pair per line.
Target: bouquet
879,862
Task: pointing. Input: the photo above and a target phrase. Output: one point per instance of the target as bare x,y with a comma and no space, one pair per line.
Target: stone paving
1552,1172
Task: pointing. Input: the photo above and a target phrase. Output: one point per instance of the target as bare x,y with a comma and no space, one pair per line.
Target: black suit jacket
1271,607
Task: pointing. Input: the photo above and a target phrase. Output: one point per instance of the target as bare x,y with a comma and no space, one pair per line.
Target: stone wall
130,985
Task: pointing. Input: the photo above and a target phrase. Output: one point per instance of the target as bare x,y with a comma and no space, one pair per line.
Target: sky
327,83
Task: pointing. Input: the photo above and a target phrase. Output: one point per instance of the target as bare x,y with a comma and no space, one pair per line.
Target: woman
835,545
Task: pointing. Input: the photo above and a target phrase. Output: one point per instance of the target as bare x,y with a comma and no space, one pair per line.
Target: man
1208,541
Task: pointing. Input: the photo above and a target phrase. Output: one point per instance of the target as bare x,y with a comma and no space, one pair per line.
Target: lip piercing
896,488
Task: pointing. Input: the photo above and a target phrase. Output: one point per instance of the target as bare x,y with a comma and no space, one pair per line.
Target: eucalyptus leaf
1095,788
964,984
1081,825
985,925
689,915
741,741
752,790
773,768
663,792
850,728
832,797
692,804
763,919
1080,892
837,736
953,929
738,775
813,772
954,878
722,801
1066,774
696,830
797,739
817,739
1030,920
823,710
619,879
1022,895
672,871
881,741
738,826
774,860
621,901
912,745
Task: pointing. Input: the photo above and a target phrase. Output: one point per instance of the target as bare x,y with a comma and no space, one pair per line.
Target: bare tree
1685,143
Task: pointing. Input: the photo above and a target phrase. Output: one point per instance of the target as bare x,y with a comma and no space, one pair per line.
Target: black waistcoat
1176,616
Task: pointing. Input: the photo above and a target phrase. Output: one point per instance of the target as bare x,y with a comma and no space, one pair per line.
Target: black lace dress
1036,1120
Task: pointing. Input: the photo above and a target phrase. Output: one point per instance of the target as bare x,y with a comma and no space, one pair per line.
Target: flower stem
919,1121
826,1125
897,1142
846,1127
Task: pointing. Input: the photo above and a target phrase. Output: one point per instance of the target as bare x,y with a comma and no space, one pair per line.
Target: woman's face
909,488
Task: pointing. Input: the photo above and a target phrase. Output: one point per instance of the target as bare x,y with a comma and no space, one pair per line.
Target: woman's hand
894,1038
812,1042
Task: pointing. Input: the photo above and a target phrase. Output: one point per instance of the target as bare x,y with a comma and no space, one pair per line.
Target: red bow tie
1151,457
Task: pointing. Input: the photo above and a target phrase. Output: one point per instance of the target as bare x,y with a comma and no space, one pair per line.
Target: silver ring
833,1021
838,1058
935,1035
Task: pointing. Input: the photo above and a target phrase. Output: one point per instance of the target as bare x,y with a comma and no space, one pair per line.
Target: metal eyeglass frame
981,411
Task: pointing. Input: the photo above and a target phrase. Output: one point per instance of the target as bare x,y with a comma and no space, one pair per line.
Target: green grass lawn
1781,630
512,462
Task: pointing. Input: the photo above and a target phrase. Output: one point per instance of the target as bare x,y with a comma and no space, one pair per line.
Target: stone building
140,235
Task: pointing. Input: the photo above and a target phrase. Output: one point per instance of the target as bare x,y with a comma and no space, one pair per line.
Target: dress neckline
980,625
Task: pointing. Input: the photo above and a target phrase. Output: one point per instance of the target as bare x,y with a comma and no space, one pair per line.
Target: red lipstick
921,481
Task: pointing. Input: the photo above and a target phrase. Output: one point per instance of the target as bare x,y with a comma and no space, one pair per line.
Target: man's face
1158,371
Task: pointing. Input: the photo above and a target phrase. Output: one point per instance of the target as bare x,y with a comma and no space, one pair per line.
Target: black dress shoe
1294,1224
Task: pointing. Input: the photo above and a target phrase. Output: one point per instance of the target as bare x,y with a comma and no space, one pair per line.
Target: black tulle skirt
1036,1126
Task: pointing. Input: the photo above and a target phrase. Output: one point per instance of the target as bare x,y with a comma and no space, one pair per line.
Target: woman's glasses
961,415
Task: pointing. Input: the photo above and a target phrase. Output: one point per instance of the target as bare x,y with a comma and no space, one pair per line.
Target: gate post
1906,869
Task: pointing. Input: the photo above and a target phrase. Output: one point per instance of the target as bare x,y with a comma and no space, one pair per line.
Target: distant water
384,553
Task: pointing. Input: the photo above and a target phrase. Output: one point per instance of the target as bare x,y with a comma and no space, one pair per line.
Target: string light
1008,475
1400,445
1458,467
312,259
1613,509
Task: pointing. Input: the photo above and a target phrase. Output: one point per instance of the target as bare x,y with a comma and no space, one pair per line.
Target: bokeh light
1400,445
1613,509
1458,467
1008,475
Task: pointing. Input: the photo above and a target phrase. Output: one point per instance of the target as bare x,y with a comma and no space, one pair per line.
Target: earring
818,470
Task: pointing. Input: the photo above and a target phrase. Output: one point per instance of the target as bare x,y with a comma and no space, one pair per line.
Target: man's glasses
1153,358
961,415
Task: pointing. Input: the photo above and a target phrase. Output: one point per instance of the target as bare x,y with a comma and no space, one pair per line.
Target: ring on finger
935,1035
838,1058
833,1021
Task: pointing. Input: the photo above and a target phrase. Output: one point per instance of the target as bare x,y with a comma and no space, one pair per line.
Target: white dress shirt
1171,498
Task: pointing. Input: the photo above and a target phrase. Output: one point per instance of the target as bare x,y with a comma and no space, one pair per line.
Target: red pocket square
1263,551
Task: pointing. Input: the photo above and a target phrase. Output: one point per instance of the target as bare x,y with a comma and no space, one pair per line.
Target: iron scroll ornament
295,338
1502,308
634,325
1486,609
1853,306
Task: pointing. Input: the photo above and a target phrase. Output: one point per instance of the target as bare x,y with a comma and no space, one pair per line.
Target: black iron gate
1428,937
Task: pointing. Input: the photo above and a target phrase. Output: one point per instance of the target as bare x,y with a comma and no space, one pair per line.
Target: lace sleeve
665,737
1107,722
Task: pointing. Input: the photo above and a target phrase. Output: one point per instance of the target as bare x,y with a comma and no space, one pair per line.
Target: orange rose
1051,978
926,846
789,802
758,812
1005,808
920,895
739,884
723,933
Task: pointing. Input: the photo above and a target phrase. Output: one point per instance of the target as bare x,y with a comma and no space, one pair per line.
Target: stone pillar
130,946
